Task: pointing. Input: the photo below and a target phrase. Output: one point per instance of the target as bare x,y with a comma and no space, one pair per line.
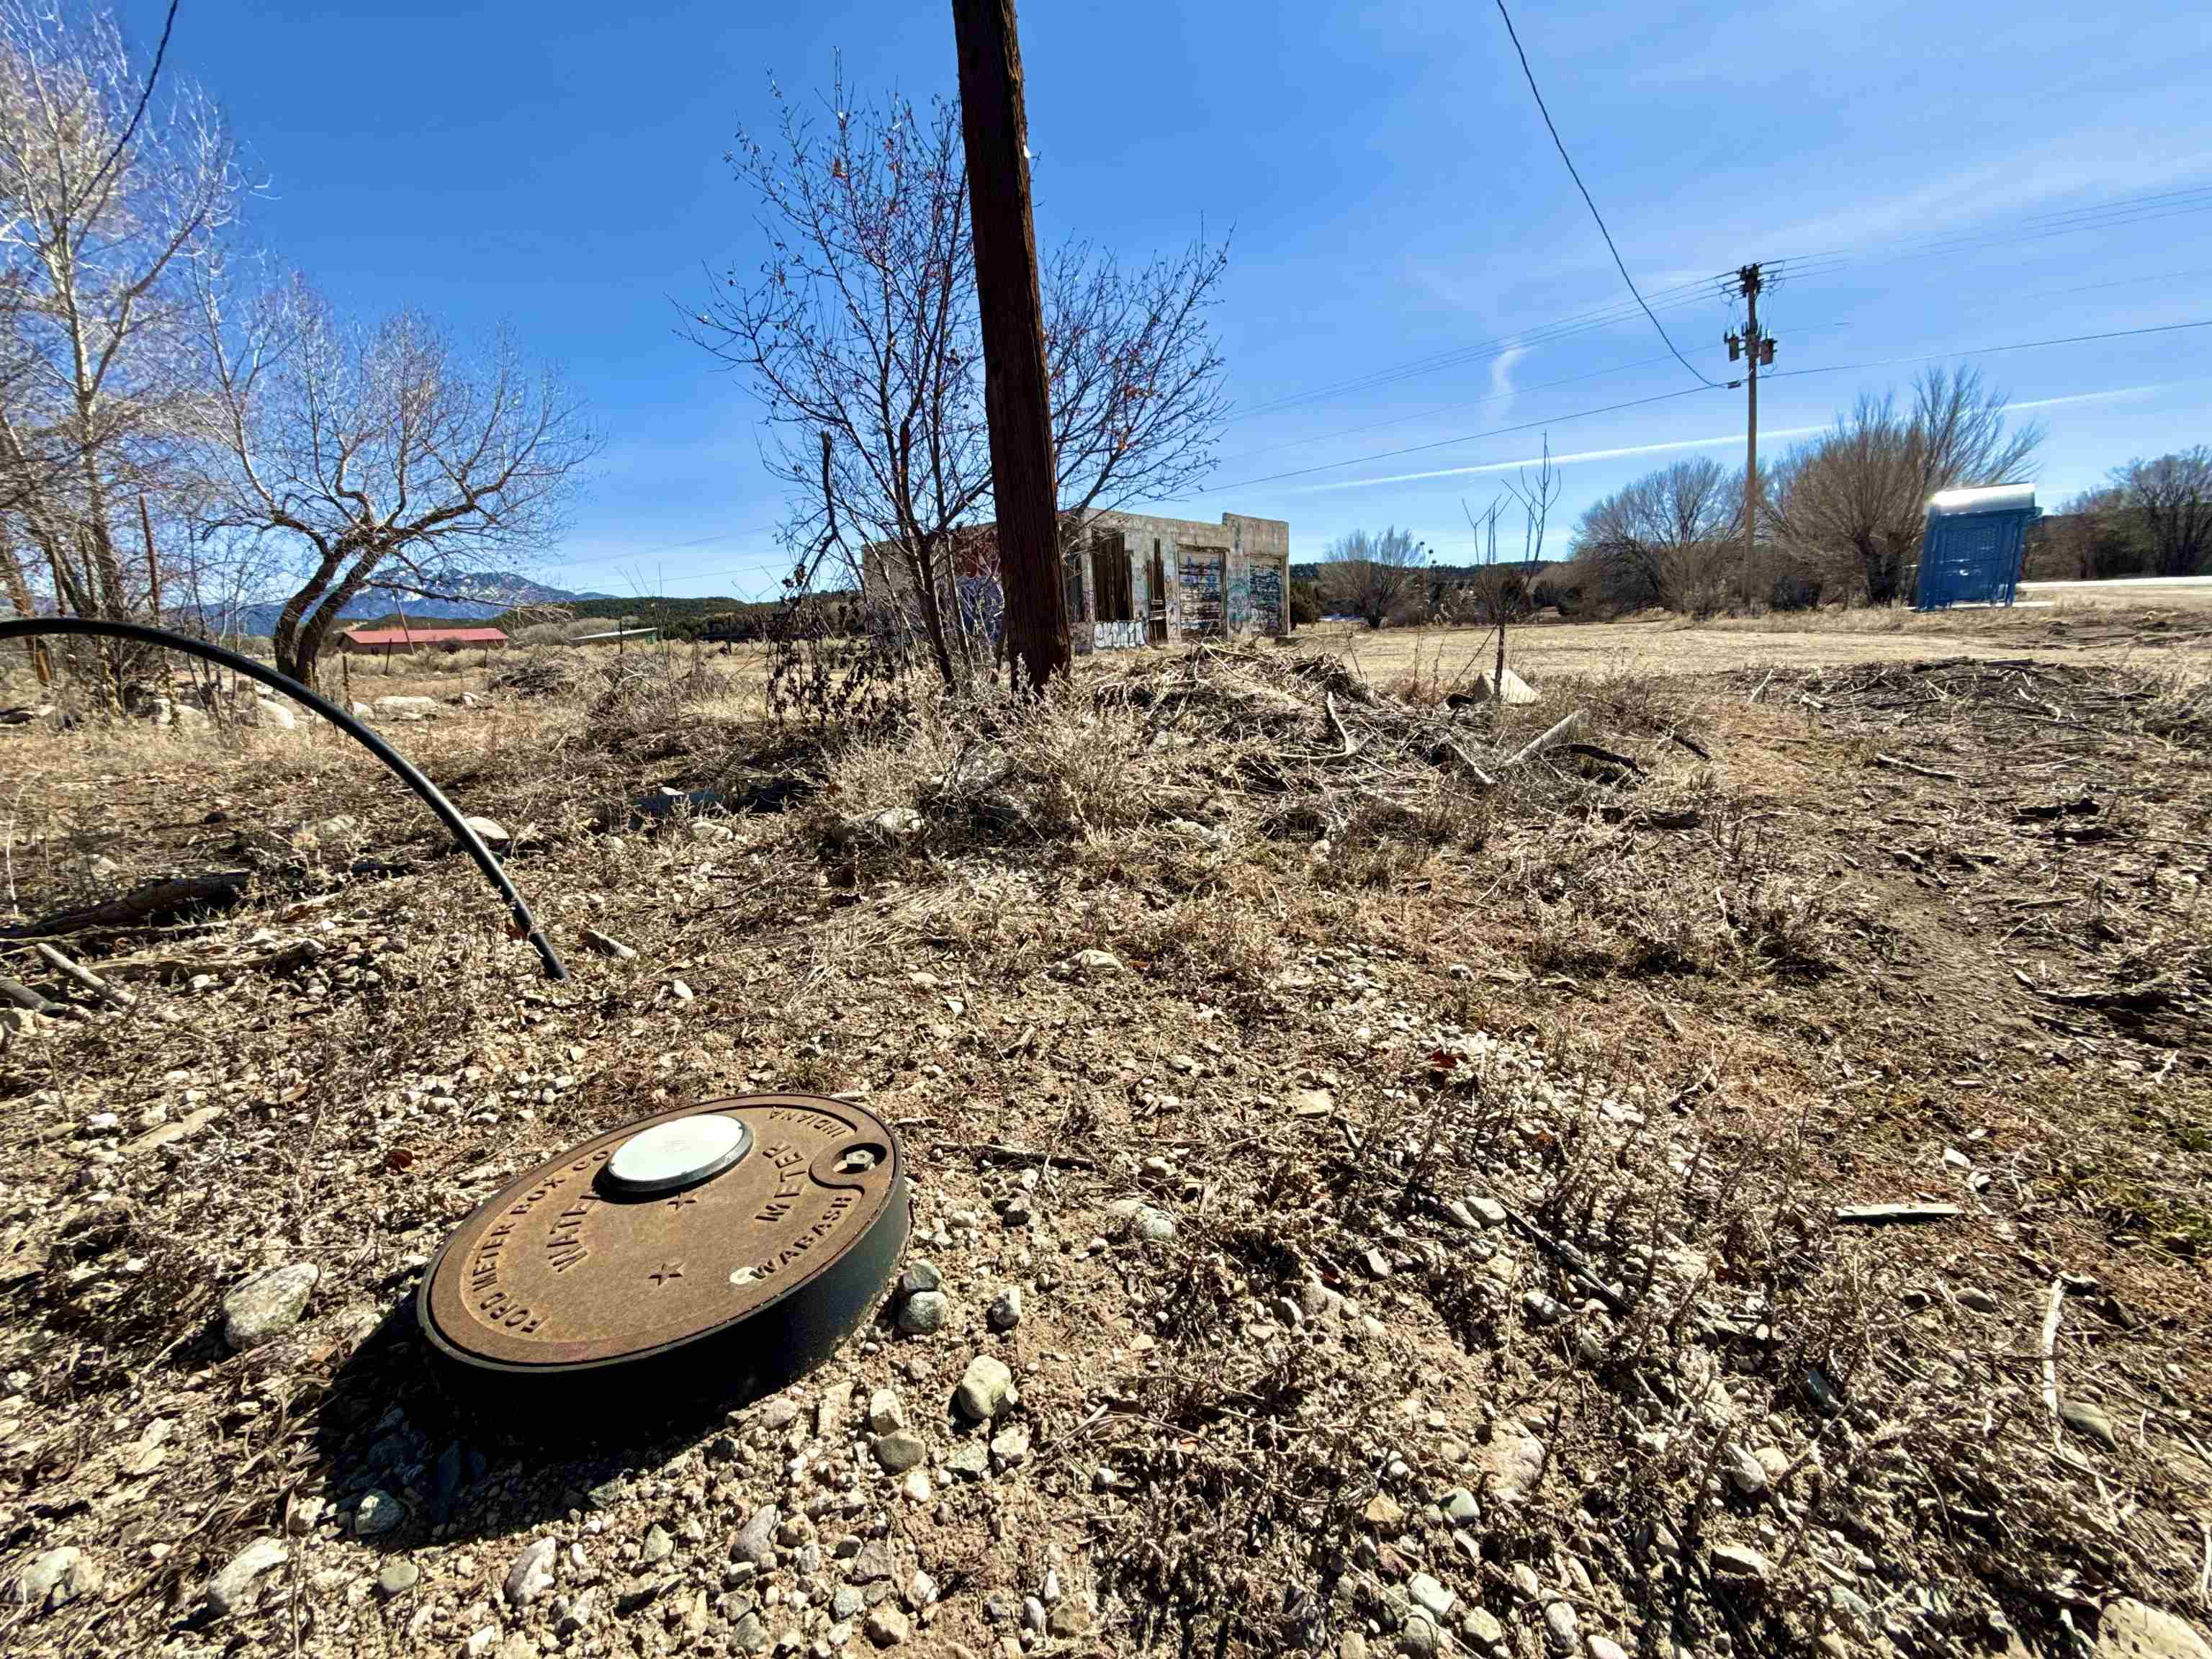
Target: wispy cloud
1501,371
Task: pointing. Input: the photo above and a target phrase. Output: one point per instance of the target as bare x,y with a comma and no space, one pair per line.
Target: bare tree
1374,578
2171,499
1137,393
103,242
2091,536
1664,539
380,457
1855,500
1499,594
860,327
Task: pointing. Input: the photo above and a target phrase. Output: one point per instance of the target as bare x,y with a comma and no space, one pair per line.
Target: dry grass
2152,630
1670,1007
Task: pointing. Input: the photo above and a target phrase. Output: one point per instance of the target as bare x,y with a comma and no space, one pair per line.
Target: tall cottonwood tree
1852,502
2169,501
109,213
1663,539
379,456
859,327
1375,578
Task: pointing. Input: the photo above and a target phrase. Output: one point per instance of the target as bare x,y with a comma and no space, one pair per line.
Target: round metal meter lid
680,1152
778,1250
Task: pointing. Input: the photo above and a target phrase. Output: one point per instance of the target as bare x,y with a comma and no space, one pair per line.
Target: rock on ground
755,1541
1514,1459
531,1575
1734,1561
2135,1630
886,1411
267,1304
983,1389
55,1579
900,1451
377,1513
1562,1630
238,1584
887,1627
1431,1595
923,1313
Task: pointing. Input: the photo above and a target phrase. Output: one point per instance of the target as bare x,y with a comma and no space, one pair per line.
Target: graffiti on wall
1266,598
1200,574
984,608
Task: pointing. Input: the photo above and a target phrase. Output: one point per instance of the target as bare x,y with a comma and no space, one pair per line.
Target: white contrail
1690,443
2096,397
1560,460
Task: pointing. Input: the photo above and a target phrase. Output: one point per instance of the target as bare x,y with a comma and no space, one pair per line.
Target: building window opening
1114,598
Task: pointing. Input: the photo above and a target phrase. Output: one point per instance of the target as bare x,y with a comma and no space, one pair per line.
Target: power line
146,93
1990,351
1787,269
1497,345
1691,391
2108,215
1560,144
1475,403
1470,437
2090,216
2122,281
1441,408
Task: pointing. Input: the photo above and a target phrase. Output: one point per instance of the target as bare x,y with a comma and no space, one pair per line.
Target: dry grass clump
541,673
1215,746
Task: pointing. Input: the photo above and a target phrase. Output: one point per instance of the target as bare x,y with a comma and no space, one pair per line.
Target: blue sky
1392,194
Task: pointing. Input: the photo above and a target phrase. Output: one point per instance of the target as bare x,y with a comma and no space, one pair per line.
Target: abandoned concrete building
1133,579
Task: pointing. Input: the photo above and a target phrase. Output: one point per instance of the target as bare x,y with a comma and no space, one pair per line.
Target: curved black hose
448,813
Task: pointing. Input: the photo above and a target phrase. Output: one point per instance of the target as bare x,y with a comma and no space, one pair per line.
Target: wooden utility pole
1757,348
1017,391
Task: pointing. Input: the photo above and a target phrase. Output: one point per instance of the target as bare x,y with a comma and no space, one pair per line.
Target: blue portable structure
1972,546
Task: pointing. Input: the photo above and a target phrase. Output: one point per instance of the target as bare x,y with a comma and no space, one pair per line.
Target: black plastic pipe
472,843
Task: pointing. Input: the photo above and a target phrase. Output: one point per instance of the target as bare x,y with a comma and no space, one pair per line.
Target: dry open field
1913,917
2151,625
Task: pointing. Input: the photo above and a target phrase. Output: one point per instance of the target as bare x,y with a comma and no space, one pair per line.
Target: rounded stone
924,1312
377,1513
900,1451
680,1152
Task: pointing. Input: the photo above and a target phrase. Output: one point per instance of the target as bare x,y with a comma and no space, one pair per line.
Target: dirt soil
1424,1210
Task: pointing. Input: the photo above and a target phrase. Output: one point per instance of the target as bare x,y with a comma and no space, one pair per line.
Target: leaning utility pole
1759,348
1017,392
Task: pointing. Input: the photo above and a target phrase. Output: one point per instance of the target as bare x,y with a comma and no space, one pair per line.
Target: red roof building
418,639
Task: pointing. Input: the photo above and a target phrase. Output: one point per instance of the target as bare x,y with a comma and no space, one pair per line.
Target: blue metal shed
1973,545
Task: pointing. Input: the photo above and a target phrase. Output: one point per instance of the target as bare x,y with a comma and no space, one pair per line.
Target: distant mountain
494,594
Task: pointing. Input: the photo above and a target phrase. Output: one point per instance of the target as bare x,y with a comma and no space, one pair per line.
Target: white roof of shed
1992,498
